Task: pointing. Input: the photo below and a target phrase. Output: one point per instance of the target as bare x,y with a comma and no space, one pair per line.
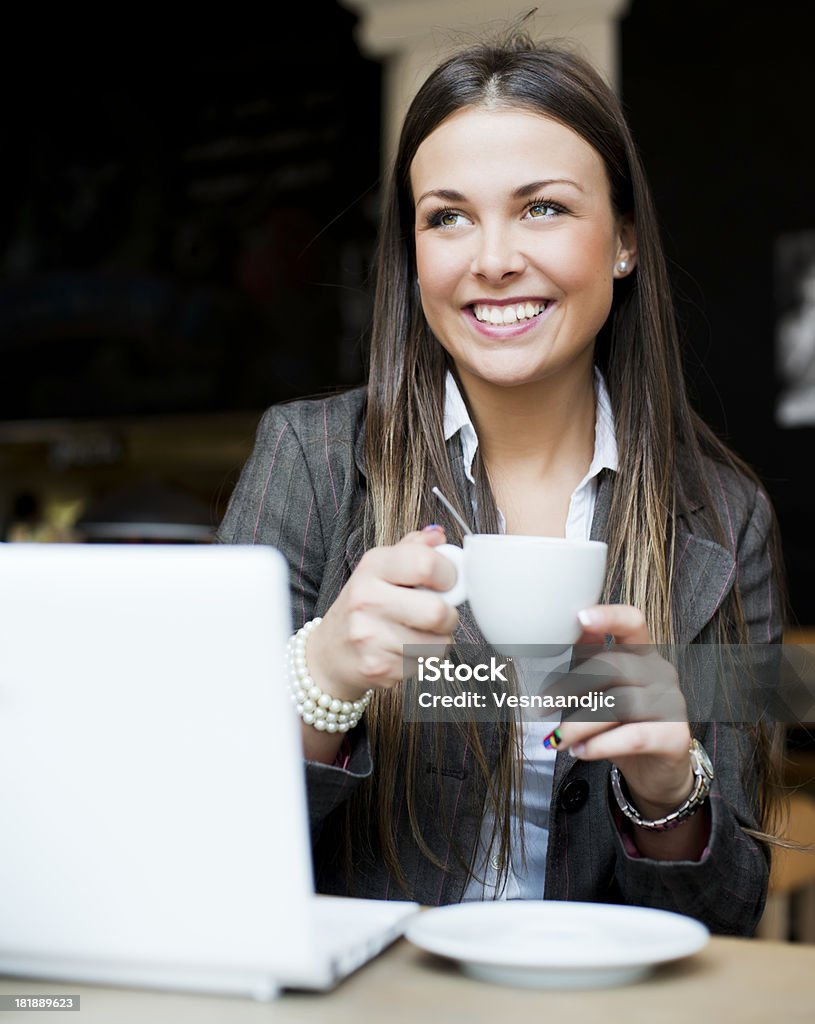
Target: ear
626,258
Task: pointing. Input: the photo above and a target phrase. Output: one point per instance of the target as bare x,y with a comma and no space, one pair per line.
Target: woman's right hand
380,609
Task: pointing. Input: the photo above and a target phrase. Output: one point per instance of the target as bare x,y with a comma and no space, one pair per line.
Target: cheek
437,266
579,264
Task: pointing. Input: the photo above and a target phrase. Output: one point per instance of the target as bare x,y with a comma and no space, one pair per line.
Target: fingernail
552,741
577,750
589,618
432,526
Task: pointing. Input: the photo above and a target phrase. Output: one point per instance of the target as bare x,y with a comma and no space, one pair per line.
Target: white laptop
152,795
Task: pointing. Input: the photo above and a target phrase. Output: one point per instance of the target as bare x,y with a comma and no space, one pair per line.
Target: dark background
187,224
720,98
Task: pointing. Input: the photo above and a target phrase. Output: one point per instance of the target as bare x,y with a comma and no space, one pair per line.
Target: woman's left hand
650,740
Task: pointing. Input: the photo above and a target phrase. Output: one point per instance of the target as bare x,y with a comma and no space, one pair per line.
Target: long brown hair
638,351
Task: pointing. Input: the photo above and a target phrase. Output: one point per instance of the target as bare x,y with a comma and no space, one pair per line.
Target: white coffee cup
526,592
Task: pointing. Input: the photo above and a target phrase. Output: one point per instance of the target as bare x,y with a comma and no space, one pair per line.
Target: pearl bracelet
314,706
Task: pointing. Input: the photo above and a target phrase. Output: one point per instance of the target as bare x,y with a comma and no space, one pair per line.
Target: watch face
702,759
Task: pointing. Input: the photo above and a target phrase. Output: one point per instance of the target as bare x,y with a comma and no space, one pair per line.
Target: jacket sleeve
289,495
727,887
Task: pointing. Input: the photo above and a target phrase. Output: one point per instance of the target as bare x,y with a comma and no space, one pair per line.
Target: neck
543,429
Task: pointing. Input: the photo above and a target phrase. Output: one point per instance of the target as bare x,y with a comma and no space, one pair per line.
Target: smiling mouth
500,316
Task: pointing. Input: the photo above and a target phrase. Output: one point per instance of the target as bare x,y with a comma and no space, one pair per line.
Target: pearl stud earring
622,266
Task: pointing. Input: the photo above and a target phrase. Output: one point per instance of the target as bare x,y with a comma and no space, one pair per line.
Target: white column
412,36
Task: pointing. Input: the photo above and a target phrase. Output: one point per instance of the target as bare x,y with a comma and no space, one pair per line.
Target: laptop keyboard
352,931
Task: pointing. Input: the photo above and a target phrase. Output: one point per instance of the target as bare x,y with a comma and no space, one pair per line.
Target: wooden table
800,635
730,980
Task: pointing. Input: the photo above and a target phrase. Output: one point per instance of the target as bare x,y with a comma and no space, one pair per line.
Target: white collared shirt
527,882
581,505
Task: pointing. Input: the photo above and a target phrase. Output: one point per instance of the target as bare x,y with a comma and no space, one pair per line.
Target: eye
544,209
445,219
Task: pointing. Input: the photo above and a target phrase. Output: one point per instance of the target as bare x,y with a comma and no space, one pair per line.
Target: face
517,244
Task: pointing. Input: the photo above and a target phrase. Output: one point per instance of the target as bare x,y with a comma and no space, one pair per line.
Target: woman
524,359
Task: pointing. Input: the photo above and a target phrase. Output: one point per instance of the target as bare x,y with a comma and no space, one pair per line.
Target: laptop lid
151,785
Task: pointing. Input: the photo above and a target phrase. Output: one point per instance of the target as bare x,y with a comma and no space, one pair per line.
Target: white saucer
553,944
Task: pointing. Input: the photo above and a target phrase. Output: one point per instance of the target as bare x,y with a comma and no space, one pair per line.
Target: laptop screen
152,792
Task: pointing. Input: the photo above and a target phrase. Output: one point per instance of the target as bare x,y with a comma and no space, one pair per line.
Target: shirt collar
457,419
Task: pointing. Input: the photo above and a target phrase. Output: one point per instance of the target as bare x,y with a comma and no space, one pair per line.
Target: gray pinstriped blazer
300,492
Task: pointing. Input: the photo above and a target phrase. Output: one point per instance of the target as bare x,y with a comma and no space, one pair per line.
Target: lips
507,317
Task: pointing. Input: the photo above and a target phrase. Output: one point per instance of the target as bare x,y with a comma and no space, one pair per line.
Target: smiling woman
524,360
516,252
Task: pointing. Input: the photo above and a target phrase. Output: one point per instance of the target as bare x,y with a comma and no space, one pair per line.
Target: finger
409,607
621,687
610,668
623,706
419,610
410,564
431,536
622,621
666,739
592,640
389,623
639,666
567,734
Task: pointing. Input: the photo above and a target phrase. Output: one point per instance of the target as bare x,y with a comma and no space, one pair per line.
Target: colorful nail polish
432,526
552,741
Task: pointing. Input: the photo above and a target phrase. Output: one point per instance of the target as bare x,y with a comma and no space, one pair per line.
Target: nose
497,255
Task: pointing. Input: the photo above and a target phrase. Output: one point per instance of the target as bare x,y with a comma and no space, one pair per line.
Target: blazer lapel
703,576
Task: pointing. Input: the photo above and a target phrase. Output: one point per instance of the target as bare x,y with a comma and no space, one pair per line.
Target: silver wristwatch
702,769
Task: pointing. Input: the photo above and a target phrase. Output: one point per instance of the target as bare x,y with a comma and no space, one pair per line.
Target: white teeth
500,315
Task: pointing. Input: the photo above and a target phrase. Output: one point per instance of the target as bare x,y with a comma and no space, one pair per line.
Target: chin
508,376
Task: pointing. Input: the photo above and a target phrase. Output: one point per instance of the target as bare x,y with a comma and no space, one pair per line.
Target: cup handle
457,594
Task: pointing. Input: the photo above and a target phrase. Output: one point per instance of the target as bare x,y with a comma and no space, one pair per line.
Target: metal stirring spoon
451,510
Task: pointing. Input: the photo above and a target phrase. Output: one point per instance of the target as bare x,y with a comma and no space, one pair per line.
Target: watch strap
689,807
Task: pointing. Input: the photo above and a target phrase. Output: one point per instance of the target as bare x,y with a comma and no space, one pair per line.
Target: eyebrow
451,196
